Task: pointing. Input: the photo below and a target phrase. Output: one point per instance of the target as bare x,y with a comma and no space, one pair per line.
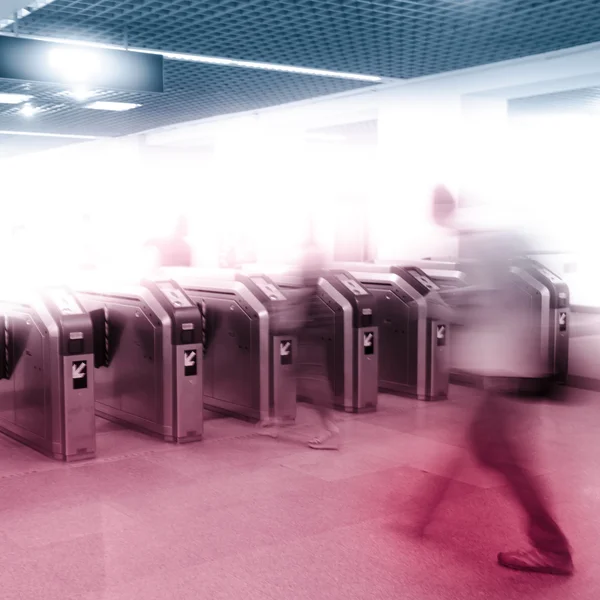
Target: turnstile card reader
360,342
413,329
47,387
249,359
149,358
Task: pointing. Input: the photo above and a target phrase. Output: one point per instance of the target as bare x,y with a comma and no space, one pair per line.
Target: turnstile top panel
131,292
194,273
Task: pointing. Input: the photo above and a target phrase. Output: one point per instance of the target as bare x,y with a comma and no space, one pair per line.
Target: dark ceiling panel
393,38
192,91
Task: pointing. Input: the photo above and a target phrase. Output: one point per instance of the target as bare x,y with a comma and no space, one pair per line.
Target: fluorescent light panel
112,106
50,135
14,98
214,60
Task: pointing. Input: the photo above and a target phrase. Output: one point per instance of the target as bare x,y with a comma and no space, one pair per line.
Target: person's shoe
535,561
329,440
269,428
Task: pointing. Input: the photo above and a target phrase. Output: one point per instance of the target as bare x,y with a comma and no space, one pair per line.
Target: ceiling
389,38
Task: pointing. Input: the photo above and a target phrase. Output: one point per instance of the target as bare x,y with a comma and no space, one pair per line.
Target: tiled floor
239,516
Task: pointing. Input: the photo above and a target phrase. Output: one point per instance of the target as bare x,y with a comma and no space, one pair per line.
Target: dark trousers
498,437
313,376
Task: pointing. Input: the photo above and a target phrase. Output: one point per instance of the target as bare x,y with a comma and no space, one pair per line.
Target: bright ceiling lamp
215,60
28,110
250,64
113,106
74,65
14,98
80,94
49,135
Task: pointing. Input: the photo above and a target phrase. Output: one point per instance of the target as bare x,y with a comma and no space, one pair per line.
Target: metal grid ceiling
572,101
193,91
393,38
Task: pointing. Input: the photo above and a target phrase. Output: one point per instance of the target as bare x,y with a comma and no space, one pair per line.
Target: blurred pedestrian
313,379
173,250
498,354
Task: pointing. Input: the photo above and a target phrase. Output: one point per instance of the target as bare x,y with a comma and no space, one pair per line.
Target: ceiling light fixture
14,98
214,60
113,106
50,135
80,94
28,110
73,64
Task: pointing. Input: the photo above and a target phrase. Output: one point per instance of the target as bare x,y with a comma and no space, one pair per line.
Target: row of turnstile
154,355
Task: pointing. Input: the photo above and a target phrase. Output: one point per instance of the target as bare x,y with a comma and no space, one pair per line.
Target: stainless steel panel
367,371
232,361
189,423
340,353
26,396
238,368
284,380
79,410
138,386
406,356
38,408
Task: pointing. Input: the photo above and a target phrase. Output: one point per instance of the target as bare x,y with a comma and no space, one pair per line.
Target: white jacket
499,337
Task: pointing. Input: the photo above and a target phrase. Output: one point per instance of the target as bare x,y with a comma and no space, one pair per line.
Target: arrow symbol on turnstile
368,340
562,319
441,332
78,370
284,348
189,360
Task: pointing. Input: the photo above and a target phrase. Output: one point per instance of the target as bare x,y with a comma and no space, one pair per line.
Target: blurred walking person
313,379
498,353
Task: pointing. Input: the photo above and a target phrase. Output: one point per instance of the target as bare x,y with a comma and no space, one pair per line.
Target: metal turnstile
546,298
413,329
148,358
248,364
347,311
554,327
47,376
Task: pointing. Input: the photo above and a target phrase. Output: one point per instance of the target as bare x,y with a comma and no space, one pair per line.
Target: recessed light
28,110
80,93
14,98
114,106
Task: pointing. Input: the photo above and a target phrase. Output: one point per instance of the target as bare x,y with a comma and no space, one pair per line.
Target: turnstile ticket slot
366,318
563,300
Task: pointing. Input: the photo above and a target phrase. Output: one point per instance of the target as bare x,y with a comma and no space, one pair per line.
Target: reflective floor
240,516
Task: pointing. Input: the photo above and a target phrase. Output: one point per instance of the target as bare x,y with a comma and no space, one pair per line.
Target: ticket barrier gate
555,326
544,295
248,362
148,358
347,311
413,329
47,375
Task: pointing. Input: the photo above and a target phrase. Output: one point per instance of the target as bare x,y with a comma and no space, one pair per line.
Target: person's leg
314,383
498,444
432,499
